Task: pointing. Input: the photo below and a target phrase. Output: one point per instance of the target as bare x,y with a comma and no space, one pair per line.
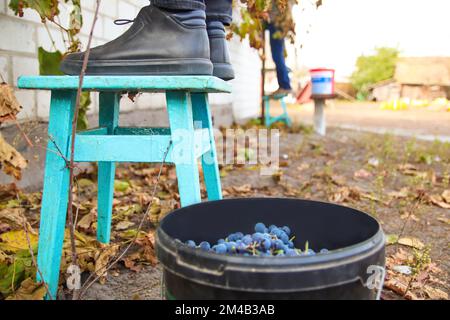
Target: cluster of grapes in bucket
266,241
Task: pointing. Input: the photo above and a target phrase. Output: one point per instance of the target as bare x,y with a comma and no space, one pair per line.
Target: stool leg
202,114
109,118
181,121
267,113
56,189
285,114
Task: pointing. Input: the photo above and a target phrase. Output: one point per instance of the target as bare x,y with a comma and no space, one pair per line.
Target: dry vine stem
72,149
107,267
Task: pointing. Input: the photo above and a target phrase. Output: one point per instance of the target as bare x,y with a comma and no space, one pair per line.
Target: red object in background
305,94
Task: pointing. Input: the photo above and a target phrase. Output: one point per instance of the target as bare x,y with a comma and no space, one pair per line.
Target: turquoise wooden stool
190,137
284,117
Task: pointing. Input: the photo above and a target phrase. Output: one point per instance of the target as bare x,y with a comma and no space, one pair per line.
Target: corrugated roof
423,71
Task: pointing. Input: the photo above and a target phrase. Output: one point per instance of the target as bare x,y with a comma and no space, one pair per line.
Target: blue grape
239,235
284,238
241,247
279,245
191,244
258,237
221,248
231,246
260,227
205,245
266,244
286,230
247,239
276,232
291,253
231,237
267,236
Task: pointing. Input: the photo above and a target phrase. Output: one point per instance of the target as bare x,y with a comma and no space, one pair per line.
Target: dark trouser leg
180,4
219,10
218,15
277,48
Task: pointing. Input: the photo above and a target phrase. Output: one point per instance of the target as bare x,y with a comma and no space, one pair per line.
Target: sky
338,32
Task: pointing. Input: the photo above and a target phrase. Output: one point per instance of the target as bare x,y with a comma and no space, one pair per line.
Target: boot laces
121,22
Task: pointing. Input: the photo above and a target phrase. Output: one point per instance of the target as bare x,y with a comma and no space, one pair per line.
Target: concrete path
420,123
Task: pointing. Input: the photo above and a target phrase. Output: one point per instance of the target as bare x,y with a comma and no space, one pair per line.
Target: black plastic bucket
355,239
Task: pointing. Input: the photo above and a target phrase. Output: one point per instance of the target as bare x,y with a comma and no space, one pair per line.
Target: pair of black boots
160,43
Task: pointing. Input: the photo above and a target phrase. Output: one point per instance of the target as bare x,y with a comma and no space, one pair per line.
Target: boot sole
223,71
141,67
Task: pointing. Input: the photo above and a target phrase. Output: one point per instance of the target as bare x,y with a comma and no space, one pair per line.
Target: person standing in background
280,19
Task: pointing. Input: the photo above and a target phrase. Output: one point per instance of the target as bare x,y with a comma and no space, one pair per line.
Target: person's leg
219,10
180,4
219,15
277,48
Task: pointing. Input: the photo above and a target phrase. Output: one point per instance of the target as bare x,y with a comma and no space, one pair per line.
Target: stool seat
204,84
274,96
189,137
284,117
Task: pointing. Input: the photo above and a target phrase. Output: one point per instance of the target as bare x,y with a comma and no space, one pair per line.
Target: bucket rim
340,254
322,69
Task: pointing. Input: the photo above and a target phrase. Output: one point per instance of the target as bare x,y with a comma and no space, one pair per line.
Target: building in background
417,78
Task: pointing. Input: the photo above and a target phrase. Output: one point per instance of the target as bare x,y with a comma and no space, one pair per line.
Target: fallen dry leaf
14,241
104,257
411,242
444,220
446,196
9,106
435,294
362,174
29,290
407,167
243,189
411,170
303,166
86,222
3,257
123,225
396,286
437,201
403,193
11,160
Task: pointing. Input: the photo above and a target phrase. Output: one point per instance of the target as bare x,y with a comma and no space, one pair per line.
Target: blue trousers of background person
277,47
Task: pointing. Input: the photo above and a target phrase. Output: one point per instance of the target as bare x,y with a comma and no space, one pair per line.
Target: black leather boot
156,44
219,51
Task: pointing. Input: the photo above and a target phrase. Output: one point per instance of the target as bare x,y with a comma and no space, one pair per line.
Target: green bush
374,68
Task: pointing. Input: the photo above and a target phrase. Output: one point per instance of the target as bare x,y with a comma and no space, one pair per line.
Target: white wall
20,38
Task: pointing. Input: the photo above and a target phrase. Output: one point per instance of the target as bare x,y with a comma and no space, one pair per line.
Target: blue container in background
322,82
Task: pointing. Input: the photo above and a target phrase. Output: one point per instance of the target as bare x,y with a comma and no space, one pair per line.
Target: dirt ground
403,182
390,177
